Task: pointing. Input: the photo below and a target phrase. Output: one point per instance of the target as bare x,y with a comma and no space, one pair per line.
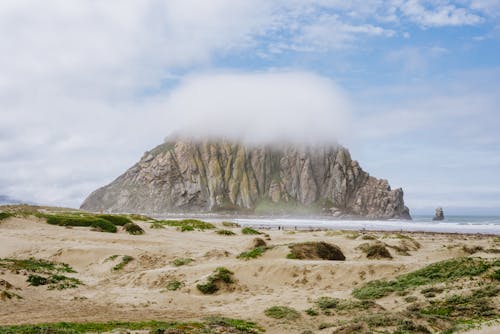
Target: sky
411,87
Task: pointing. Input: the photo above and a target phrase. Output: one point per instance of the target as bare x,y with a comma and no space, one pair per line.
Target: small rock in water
439,215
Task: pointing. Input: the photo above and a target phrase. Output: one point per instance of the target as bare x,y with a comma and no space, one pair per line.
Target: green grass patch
330,303
133,228
173,285
35,266
249,230
58,282
220,276
84,221
115,219
225,232
243,326
188,224
230,224
226,325
156,225
182,261
126,259
444,271
252,254
282,312
5,215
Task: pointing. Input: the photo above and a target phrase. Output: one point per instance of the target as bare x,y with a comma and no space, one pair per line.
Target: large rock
187,175
439,214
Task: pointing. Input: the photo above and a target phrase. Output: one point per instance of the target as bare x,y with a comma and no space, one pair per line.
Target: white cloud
259,107
442,13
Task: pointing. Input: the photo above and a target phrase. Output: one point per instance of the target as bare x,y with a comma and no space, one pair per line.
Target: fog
294,107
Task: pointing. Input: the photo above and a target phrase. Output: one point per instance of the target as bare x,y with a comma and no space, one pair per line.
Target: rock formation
439,215
186,175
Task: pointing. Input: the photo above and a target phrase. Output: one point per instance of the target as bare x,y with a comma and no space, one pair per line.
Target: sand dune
138,291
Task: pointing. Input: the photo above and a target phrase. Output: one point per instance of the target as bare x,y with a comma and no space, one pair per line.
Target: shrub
225,232
37,280
104,225
133,228
74,220
252,254
282,312
5,215
182,261
173,285
156,225
375,251
444,271
230,224
125,260
35,266
188,224
249,230
312,312
58,282
316,251
219,276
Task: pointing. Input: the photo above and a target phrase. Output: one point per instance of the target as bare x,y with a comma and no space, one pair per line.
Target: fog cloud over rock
259,107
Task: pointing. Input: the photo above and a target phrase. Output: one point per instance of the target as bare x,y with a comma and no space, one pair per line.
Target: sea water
451,224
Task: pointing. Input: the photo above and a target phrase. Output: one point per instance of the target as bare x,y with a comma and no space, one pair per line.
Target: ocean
451,224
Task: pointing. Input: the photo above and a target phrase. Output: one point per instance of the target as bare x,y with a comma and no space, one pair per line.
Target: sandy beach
138,291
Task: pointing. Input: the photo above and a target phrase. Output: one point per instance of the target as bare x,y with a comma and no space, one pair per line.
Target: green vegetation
5,215
252,254
444,271
182,261
225,232
330,303
230,224
133,228
210,325
312,312
242,326
156,225
282,312
74,220
249,230
187,224
59,282
35,266
126,259
115,219
173,285
315,251
473,306
42,272
219,276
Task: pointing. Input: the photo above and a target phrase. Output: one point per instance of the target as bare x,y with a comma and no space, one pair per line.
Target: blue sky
412,87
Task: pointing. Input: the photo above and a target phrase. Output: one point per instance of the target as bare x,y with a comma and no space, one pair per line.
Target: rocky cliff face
188,175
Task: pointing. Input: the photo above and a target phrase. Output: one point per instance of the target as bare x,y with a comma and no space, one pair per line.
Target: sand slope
138,292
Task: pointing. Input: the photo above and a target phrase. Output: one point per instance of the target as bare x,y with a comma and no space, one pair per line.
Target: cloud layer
259,107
